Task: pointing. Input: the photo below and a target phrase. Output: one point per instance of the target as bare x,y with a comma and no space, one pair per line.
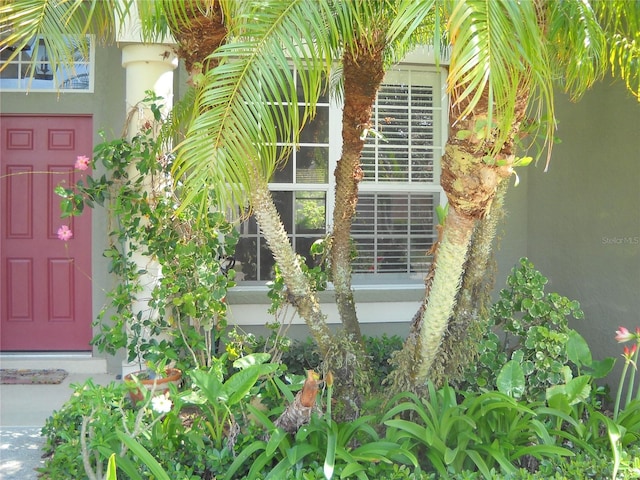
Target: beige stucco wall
583,228
511,235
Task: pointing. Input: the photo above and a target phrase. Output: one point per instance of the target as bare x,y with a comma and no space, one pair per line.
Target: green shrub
303,355
181,317
452,434
551,425
62,431
530,328
479,431
87,428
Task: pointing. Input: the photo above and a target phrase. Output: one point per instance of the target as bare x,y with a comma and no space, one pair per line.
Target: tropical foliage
538,414
173,271
224,424
505,59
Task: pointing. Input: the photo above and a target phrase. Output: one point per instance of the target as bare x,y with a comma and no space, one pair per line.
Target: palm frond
429,31
249,102
159,17
155,15
498,50
62,26
620,20
411,17
620,16
174,127
577,45
624,58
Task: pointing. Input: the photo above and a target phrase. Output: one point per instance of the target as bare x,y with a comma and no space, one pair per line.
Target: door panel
45,283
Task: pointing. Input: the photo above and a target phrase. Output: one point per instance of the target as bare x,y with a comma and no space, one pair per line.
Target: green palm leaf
578,45
498,51
620,20
249,102
55,21
410,16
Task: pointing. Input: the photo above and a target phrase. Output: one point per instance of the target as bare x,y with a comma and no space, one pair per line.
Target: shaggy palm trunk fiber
363,71
299,412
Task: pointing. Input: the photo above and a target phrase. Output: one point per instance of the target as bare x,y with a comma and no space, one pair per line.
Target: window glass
393,232
312,165
394,226
33,70
310,212
303,214
317,129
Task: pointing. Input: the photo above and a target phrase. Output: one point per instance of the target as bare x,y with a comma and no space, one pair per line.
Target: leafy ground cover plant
452,434
190,433
82,436
528,336
217,396
224,425
302,355
345,450
63,451
483,431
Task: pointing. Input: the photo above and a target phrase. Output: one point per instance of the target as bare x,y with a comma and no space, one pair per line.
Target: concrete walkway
25,408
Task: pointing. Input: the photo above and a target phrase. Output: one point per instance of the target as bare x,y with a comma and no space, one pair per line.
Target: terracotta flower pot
172,375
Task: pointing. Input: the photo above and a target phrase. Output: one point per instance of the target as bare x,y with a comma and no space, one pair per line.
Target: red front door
45,283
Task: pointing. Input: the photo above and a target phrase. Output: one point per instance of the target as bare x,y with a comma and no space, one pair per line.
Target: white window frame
26,84
440,113
379,281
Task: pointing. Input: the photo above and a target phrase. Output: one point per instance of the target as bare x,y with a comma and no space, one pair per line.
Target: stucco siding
584,213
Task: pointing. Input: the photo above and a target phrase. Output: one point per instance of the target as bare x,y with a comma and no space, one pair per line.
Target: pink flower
624,335
629,352
82,162
65,233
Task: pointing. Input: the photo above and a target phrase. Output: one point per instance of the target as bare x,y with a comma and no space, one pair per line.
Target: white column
148,67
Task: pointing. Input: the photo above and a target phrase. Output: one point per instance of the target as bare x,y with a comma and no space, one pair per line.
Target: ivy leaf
61,191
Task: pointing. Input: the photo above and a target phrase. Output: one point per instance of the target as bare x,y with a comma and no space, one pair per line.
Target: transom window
395,219
33,70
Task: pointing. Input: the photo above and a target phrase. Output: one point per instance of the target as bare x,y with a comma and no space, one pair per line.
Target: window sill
396,292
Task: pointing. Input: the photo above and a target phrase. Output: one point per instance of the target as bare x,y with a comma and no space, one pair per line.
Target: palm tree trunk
342,355
451,257
474,298
363,71
471,173
413,362
199,30
301,296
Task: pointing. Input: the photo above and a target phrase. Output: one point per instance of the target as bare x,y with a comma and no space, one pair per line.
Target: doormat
31,376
